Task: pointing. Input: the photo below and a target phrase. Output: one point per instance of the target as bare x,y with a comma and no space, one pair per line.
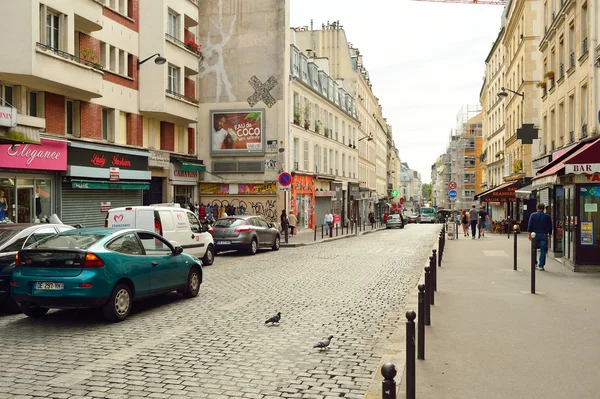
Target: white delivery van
173,223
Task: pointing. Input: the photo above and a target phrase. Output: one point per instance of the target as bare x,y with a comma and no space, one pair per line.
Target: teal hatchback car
104,268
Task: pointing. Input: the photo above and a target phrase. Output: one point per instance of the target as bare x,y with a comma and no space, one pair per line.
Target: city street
217,345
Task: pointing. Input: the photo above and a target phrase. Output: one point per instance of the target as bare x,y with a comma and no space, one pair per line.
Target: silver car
245,233
394,221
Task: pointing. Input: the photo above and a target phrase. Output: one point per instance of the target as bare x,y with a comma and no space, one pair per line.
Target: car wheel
209,256
33,310
253,247
276,244
192,286
11,306
118,306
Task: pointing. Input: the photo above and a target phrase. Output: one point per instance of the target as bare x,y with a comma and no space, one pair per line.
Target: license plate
223,242
49,286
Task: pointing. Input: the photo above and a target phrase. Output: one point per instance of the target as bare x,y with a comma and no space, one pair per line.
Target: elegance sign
50,155
586,168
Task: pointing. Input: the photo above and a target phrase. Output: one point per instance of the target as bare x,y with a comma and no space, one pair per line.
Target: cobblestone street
217,345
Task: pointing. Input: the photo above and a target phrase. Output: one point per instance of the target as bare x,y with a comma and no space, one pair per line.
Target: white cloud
426,60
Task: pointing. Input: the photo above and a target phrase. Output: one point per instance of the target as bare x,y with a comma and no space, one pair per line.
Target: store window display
25,200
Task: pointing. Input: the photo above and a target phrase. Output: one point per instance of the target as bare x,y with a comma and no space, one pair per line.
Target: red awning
487,195
579,156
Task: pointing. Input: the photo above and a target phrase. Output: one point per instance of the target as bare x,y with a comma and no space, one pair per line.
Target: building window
305,166
52,30
6,96
32,106
69,123
296,153
173,79
107,128
173,25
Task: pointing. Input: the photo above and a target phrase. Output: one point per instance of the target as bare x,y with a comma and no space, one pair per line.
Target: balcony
572,60
584,46
561,71
179,54
87,15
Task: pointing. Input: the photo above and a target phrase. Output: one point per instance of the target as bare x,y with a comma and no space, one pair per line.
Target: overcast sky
426,60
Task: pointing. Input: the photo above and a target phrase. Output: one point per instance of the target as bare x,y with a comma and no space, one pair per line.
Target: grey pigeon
324,343
274,319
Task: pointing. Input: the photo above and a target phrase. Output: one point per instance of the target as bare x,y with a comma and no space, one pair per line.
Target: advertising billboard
237,133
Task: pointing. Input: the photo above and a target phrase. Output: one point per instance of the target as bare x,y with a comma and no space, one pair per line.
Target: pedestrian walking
284,221
540,223
464,221
293,221
328,221
483,221
473,219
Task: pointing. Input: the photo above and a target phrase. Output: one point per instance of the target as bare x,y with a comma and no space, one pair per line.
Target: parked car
246,232
394,221
174,223
414,218
13,238
105,268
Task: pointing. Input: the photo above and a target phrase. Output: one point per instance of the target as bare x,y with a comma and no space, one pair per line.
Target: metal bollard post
431,289
421,324
508,229
515,256
315,233
336,230
433,271
410,355
427,296
356,227
322,231
436,258
533,261
388,386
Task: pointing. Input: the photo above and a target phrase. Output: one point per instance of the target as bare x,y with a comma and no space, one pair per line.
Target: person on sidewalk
293,221
284,221
464,221
328,221
540,223
483,221
473,219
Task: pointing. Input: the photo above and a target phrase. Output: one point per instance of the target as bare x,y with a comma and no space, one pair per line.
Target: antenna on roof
311,24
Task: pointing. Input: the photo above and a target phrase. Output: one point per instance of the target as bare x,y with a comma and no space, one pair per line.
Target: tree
426,191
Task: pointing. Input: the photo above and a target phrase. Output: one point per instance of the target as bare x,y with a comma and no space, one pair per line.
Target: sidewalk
307,236
491,338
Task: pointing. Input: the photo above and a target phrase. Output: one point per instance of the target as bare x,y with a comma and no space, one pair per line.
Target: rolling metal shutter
544,197
83,206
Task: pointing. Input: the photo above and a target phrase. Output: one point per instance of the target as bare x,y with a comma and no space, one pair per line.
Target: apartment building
101,127
324,139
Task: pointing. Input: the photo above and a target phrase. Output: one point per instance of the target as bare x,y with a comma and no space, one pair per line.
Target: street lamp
158,61
504,93
369,138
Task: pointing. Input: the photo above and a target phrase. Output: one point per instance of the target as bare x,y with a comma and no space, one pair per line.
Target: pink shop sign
50,155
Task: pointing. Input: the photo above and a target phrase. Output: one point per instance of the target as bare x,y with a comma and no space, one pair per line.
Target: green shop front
101,177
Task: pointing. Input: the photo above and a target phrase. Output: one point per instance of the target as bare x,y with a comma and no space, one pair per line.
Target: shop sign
8,116
106,159
587,168
337,218
49,155
183,175
114,174
104,207
238,189
589,191
587,233
505,193
237,132
325,193
159,160
302,184
586,178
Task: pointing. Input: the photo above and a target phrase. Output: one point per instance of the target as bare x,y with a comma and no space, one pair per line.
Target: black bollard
315,233
433,272
436,258
421,324
431,289
508,229
515,256
410,355
388,387
336,230
322,231
533,261
427,296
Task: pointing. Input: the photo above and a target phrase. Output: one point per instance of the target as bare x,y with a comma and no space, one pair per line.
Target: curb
305,244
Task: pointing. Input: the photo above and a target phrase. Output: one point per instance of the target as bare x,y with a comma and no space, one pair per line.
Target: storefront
240,199
324,194
515,210
29,180
99,178
159,164
184,179
574,182
303,200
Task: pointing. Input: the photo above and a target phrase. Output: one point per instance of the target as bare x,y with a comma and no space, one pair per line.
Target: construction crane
486,2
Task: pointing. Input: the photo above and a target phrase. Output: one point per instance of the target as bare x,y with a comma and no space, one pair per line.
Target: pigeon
274,319
324,343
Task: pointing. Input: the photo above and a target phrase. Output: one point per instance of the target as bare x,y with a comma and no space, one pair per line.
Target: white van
173,223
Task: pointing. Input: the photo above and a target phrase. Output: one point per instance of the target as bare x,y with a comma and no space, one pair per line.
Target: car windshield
230,222
69,241
6,233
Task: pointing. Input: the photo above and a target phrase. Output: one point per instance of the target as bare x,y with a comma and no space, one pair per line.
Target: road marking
495,253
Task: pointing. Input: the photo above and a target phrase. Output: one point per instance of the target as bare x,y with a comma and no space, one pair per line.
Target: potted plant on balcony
297,114
307,112
549,75
326,132
517,166
541,85
193,47
88,55
318,125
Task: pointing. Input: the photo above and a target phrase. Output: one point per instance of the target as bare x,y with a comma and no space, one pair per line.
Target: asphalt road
217,345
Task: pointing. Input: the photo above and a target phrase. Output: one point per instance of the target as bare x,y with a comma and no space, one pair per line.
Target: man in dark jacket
540,223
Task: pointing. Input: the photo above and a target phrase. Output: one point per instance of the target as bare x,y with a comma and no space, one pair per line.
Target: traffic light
394,193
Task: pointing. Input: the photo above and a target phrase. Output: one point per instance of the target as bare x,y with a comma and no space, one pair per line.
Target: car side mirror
177,251
271,225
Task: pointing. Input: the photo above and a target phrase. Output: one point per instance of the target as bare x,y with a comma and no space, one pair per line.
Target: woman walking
464,221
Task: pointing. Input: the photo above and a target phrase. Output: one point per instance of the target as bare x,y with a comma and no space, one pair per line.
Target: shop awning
502,193
109,185
525,192
491,190
556,167
193,167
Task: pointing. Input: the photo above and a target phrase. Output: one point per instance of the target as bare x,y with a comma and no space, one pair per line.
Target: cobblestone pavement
217,345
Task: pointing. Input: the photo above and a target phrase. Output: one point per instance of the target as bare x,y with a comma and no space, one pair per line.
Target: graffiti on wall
259,207
215,51
266,209
241,189
257,189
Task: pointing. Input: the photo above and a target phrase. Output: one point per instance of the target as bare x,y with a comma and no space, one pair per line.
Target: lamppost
369,138
158,61
504,93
